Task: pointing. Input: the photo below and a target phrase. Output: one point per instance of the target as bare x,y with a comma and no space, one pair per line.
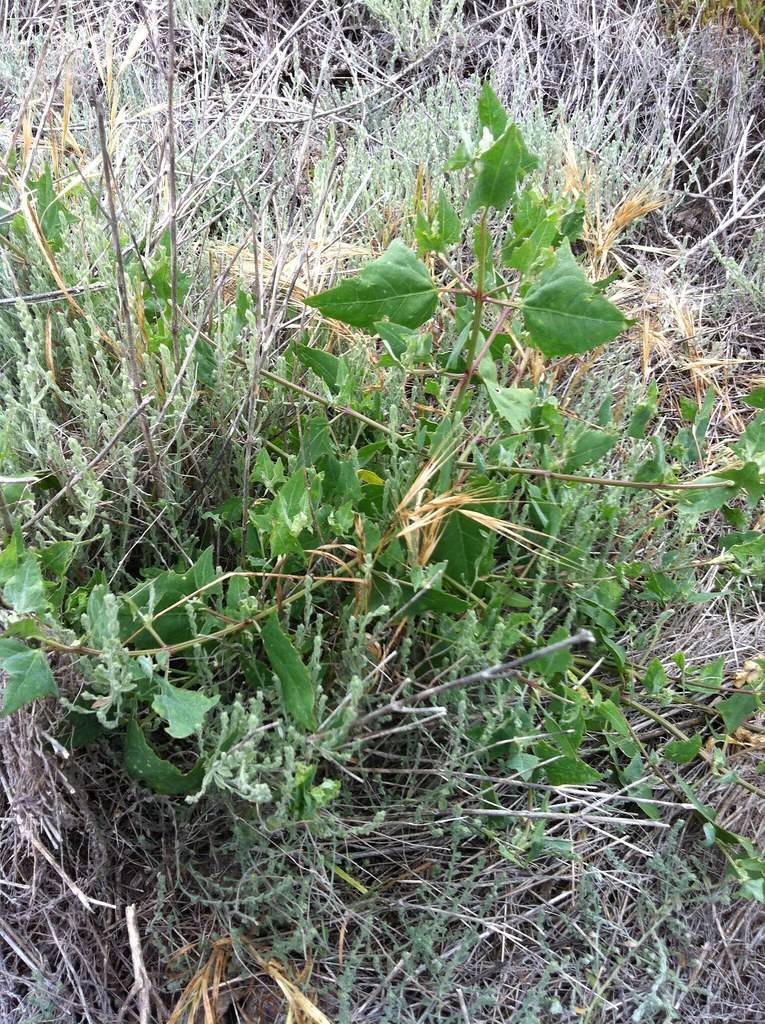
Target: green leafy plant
442,509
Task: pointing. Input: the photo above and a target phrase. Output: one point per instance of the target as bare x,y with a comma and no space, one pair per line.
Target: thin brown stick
141,990
508,668
171,182
129,337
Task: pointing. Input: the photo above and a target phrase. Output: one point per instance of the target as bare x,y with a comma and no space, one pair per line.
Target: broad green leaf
183,710
500,168
28,675
707,678
756,398
683,751
563,312
162,776
462,545
323,364
524,255
572,222
203,571
747,478
736,709
24,590
613,717
395,287
750,447
296,686
591,446
491,113
56,557
568,771
441,230
514,405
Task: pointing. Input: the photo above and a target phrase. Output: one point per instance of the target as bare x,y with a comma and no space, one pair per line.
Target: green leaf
462,545
655,678
747,478
683,751
563,312
24,590
296,686
750,447
514,405
736,709
28,675
491,113
441,230
396,287
756,398
591,446
644,412
567,771
183,710
162,776
323,364
500,168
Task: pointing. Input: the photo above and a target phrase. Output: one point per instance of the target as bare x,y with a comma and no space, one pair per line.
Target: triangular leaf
442,230
563,312
736,709
683,751
24,591
500,169
183,710
396,287
514,405
28,675
323,364
491,113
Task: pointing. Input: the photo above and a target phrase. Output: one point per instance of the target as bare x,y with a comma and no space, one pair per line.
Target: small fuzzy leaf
564,314
28,675
396,287
296,686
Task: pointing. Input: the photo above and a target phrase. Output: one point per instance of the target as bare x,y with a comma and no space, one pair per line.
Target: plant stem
479,299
